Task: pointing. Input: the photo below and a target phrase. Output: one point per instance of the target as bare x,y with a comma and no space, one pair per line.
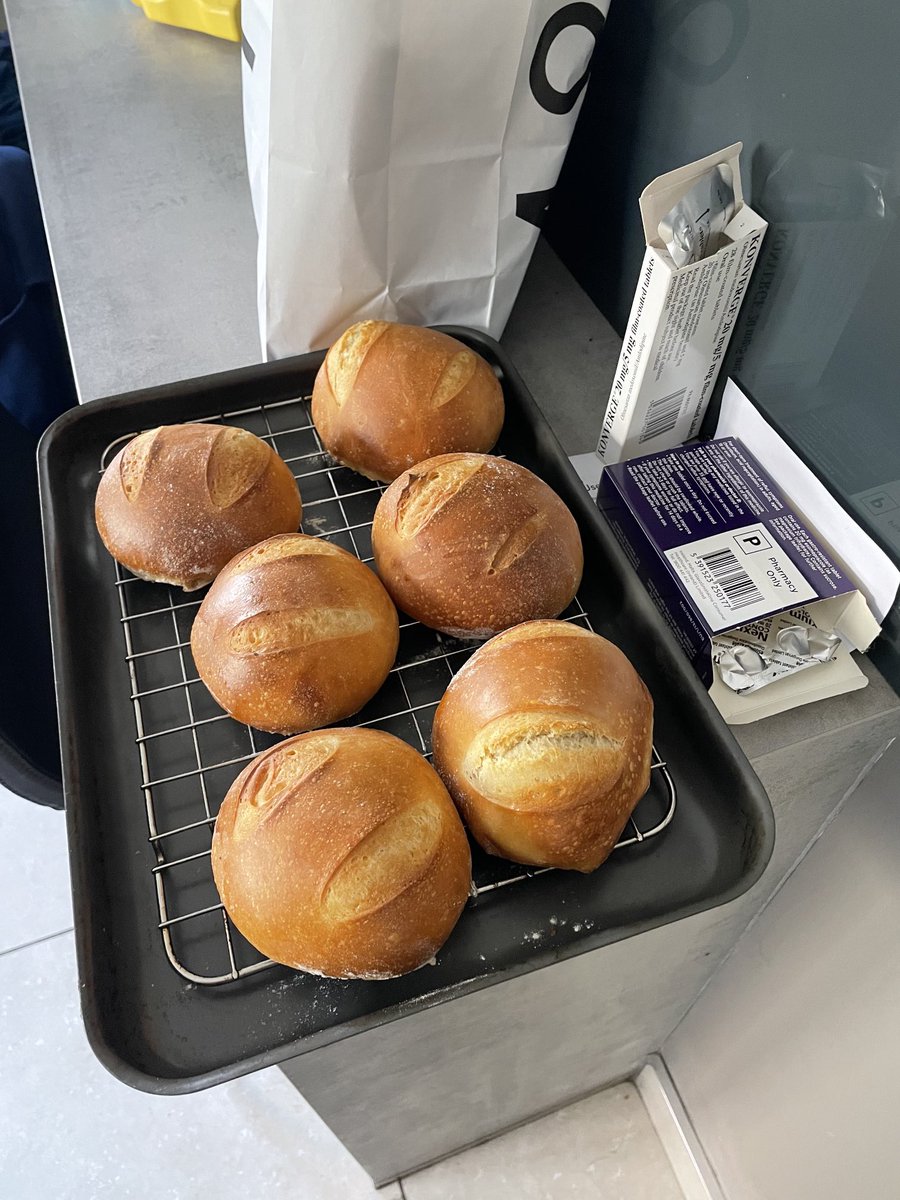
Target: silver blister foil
692,228
807,641
769,649
742,668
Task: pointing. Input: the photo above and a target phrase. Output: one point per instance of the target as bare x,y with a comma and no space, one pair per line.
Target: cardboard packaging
734,569
681,320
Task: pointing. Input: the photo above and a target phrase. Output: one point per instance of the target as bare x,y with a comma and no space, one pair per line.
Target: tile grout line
48,937
402,1191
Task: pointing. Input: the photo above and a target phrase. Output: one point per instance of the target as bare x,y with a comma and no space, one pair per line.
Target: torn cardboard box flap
760,607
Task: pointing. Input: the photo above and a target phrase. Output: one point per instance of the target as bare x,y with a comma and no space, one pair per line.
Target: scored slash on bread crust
544,740
389,395
289,545
471,544
340,853
134,461
386,863
178,502
455,376
425,494
344,359
522,760
235,464
273,775
274,632
519,542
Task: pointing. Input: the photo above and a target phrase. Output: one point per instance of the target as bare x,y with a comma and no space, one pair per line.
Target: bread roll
544,740
388,396
340,853
294,633
179,501
470,545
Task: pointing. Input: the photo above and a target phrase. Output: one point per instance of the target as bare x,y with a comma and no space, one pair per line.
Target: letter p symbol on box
752,542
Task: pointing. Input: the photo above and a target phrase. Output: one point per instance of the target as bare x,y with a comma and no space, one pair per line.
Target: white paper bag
401,154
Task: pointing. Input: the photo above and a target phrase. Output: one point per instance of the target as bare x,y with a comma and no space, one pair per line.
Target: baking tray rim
538,959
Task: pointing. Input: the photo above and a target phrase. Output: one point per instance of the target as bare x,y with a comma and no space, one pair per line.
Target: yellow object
221,18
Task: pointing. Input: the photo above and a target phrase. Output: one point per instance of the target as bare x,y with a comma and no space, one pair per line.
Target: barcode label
738,588
739,575
662,416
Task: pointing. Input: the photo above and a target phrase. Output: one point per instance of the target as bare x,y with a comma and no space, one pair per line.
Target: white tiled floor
69,1131
602,1148
35,899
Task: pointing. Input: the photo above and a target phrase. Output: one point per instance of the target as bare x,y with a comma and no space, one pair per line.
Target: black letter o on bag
547,96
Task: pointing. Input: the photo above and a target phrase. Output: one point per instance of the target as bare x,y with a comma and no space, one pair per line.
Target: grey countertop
136,135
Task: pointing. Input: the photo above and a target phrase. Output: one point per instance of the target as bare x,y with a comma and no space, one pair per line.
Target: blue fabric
29,740
12,124
35,386
35,376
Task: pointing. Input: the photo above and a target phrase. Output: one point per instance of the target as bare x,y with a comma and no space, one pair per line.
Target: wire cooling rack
190,751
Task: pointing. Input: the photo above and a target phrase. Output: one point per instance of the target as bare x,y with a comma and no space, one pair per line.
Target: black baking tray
159,1031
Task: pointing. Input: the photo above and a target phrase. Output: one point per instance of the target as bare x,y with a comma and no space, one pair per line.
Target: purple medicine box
717,545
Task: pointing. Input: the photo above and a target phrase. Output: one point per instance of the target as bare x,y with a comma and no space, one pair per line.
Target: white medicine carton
681,322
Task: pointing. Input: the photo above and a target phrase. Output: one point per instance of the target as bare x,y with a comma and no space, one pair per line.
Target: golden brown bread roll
340,852
471,544
177,502
294,633
389,395
544,741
